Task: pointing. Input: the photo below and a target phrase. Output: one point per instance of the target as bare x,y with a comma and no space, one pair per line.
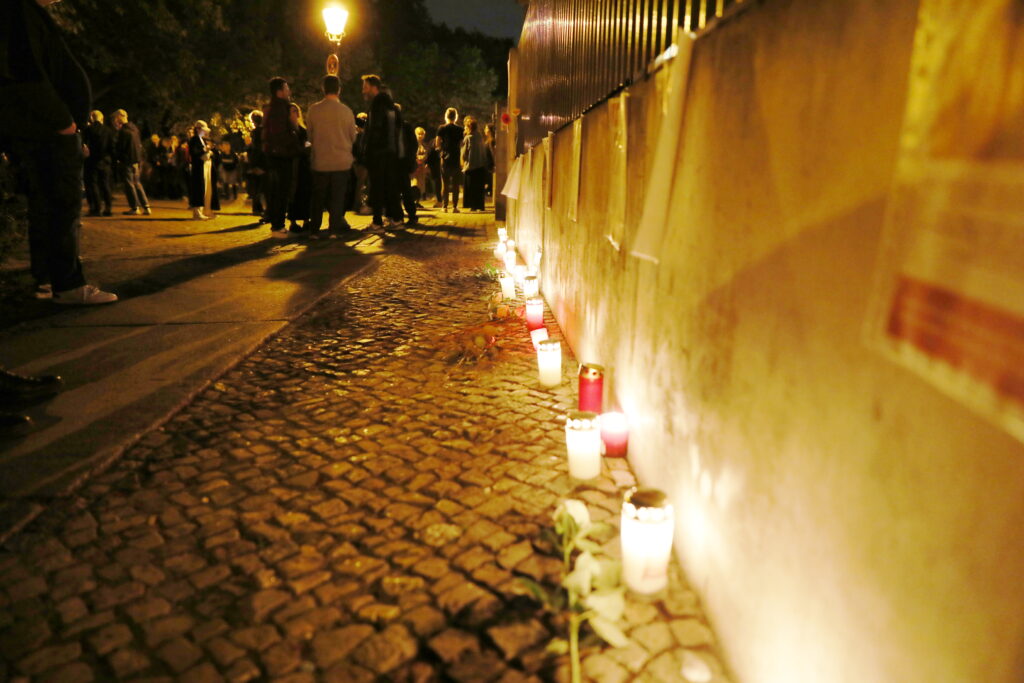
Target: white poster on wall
949,295
577,159
618,178
658,184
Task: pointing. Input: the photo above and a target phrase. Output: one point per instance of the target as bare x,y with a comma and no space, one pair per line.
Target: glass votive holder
583,444
534,313
614,434
549,362
531,286
502,233
500,250
538,335
510,258
508,286
646,537
591,387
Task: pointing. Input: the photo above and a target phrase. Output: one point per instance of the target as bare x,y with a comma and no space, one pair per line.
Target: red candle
534,313
614,434
591,387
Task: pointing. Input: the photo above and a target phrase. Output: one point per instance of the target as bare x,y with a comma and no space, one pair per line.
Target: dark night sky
501,18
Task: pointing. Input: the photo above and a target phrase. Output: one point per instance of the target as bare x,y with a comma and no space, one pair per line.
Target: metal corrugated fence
573,54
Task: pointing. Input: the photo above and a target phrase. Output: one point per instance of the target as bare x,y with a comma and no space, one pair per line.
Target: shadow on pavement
237,228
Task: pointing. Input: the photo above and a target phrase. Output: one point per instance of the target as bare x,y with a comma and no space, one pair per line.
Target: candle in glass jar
646,537
500,250
537,336
583,444
591,387
531,286
614,434
519,273
534,313
549,362
502,233
508,286
510,258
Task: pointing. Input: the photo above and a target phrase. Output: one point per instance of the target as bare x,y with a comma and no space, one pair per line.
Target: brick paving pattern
344,505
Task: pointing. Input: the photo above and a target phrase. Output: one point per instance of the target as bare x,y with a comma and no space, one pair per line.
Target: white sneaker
198,215
86,295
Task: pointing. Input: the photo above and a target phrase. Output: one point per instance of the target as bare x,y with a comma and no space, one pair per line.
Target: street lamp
335,17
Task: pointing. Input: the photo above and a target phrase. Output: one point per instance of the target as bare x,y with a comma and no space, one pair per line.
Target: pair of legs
330,192
133,190
280,180
451,180
97,187
386,189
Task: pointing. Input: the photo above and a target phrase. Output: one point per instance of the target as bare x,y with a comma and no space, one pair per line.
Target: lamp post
335,17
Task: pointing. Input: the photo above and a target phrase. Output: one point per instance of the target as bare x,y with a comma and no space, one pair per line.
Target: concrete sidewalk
344,504
196,297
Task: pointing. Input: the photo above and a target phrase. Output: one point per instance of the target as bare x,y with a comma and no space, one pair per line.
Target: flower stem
574,647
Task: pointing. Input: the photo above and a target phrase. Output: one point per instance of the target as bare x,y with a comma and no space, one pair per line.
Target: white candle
510,258
519,273
508,286
502,234
646,537
537,336
501,249
531,286
583,444
549,362
534,313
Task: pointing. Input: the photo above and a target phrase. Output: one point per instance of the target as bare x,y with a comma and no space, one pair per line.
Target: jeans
53,176
133,189
330,190
280,178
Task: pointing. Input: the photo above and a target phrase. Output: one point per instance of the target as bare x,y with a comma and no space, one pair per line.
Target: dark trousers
53,175
451,179
330,192
280,179
474,194
385,189
133,190
97,186
410,195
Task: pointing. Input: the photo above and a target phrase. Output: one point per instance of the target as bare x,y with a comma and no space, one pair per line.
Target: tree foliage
169,62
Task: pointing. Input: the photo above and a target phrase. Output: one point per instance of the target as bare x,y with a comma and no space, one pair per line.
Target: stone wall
843,520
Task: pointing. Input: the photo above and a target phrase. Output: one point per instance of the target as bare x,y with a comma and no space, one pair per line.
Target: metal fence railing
573,54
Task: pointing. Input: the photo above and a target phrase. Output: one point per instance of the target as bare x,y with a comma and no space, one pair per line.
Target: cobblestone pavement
342,506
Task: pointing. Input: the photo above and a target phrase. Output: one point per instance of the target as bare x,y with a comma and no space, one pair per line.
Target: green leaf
608,604
558,646
588,545
536,590
610,575
609,631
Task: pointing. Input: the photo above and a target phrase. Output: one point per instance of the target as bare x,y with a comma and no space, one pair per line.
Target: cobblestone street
343,505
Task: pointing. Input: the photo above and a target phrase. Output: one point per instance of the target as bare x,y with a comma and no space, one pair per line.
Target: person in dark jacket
382,144
256,165
450,135
281,146
407,169
44,97
302,194
99,163
203,197
128,153
474,166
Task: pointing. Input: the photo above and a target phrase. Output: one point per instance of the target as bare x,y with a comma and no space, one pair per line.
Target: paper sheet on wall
949,295
577,159
658,184
512,184
618,178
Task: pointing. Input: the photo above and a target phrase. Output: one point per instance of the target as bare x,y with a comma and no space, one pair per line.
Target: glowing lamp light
646,536
614,434
534,313
549,362
531,286
335,18
508,286
583,444
537,336
502,234
591,378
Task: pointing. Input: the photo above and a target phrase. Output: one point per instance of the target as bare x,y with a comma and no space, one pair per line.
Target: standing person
407,170
360,188
203,197
229,170
256,164
419,176
491,143
434,166
298,205
381,143
332,134
99,143
182,165
44,97
450,135
128,152
474,165
281,146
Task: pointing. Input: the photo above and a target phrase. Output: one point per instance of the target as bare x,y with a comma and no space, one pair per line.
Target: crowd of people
390,168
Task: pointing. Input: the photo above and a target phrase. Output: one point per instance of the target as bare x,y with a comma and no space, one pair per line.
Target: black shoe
94,212
15,388
12,425
108,212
